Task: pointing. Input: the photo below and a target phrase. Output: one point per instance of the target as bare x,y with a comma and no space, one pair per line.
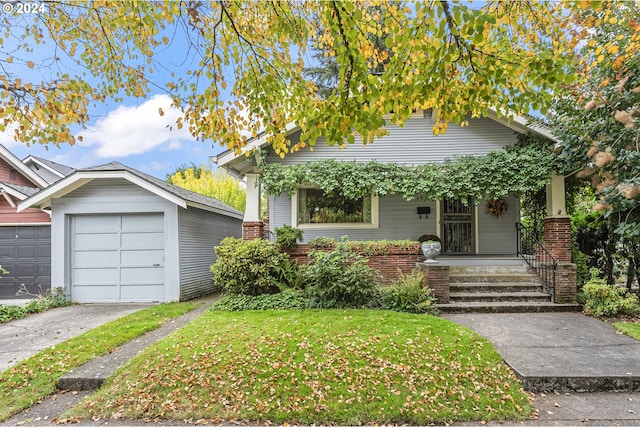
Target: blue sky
132,133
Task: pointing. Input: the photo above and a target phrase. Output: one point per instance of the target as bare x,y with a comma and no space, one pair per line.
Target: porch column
557,225
252,226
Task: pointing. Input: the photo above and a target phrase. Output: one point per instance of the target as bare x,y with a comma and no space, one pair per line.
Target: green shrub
252,267
408,295
606,300
289,299
288,236
43,302
323,243
340,278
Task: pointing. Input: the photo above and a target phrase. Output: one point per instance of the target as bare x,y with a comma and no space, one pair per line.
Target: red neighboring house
25,237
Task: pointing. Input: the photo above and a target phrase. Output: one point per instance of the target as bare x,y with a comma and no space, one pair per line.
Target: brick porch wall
389,265
436,277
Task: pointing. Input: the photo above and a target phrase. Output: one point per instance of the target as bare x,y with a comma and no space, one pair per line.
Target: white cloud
130,130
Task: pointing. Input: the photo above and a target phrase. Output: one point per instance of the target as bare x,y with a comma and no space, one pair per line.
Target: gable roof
18,191
177,195
517,123
19,166
57,169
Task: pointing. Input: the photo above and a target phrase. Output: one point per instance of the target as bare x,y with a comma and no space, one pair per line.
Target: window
312,208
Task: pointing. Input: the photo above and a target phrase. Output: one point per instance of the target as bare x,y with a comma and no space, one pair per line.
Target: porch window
315,209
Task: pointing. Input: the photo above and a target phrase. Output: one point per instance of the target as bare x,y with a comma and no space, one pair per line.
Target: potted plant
431,247
287,236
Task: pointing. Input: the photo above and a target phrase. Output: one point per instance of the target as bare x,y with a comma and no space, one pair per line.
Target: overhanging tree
242,65
598,119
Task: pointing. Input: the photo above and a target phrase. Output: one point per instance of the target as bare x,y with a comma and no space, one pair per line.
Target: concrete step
488,277
507,307
499,297
485,287
489,269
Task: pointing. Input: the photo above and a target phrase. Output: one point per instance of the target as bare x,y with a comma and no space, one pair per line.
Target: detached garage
118,234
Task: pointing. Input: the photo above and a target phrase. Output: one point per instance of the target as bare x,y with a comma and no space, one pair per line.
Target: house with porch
472,232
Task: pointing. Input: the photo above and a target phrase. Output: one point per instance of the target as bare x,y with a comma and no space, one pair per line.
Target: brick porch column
557,237
252,230
566,287
436,277
252,226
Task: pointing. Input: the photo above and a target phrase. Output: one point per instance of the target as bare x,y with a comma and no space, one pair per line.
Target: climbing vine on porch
523,167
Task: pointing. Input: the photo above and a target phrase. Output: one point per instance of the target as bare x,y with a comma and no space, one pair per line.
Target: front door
457,227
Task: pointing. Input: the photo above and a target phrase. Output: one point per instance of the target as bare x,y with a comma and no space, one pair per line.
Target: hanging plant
497,207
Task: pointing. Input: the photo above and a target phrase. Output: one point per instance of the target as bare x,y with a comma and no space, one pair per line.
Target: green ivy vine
525,166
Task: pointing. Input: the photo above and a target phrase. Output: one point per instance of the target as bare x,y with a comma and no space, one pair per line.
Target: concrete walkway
561,351
22,338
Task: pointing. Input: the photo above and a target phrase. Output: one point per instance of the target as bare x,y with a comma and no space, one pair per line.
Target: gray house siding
497,235
200,232
412,144
398,220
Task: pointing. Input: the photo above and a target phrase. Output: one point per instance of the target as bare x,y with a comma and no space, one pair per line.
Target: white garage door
117,258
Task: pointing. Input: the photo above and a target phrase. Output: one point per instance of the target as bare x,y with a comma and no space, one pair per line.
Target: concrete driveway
22,338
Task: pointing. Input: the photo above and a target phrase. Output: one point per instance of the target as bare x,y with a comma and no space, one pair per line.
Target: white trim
476,230
228,156
80,178
8,198
43,165
438,222
214,210
25,224
375,217
24,170
13,192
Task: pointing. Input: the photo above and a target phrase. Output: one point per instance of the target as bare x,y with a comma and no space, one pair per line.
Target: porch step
492,277
498,289
489,269
495,287
499,297
507,307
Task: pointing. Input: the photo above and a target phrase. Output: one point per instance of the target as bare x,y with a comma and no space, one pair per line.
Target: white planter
431,250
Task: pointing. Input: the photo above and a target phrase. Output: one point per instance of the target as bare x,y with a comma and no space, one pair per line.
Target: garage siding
200,231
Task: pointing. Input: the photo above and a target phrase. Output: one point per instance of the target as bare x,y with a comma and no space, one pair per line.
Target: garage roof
179,196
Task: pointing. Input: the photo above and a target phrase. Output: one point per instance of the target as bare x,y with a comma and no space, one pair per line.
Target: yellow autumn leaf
612,49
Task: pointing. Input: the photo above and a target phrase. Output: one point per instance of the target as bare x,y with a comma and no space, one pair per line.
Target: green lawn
36,377
631,329
317,366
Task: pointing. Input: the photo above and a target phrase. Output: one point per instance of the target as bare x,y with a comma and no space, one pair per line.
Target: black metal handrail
538,257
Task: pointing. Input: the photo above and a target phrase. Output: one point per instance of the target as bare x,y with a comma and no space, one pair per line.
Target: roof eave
78,179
